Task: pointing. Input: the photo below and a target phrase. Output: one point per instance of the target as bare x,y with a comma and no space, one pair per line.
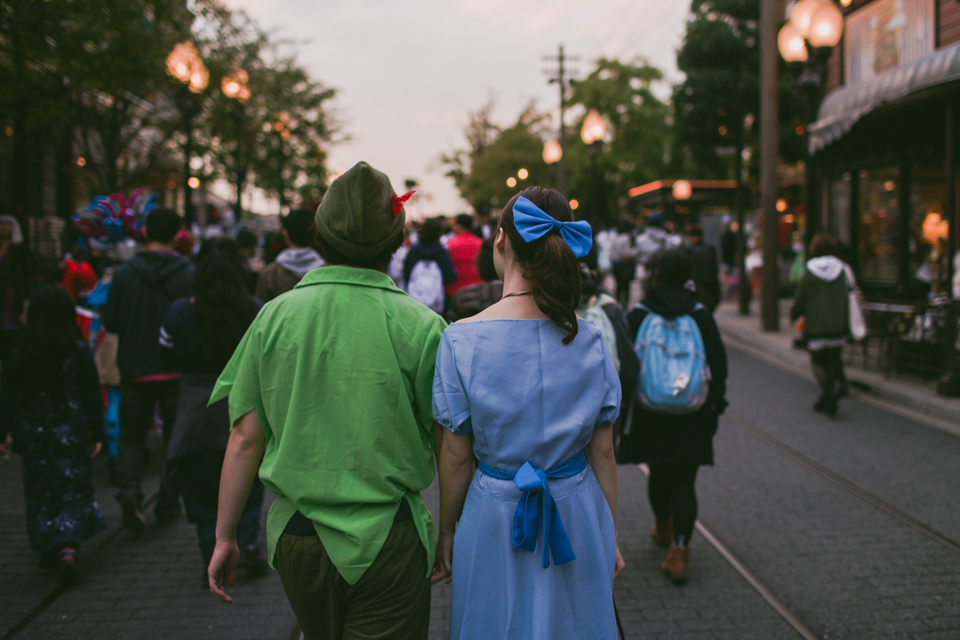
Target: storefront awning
844,106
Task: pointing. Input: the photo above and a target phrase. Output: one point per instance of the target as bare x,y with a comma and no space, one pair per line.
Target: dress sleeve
611,400
451,407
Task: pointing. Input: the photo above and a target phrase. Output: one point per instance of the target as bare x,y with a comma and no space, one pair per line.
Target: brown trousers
390,601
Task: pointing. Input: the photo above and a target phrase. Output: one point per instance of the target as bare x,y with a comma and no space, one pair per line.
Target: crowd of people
331,378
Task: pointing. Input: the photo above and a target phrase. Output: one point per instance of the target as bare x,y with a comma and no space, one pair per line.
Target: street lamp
593,130
185,65
552,153
805,42
280,126
234,86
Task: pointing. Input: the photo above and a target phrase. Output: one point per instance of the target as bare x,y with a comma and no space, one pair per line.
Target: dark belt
301,525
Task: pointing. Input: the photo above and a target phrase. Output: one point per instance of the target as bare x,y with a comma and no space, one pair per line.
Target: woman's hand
223,569
95,449
618,564
443,565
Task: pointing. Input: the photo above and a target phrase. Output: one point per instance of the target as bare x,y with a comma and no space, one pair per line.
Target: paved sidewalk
911,394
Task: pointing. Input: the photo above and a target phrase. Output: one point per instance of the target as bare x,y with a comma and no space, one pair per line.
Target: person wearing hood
674,446
141,292
293,262
423,285
821,299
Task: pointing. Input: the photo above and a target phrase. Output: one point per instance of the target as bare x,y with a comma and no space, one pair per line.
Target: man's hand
223,569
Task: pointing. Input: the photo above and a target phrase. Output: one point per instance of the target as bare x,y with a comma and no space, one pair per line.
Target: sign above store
886,34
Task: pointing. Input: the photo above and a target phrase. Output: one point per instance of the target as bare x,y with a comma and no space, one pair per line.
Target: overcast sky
407,72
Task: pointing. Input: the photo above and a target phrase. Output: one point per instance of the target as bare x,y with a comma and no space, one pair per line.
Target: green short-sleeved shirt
340,372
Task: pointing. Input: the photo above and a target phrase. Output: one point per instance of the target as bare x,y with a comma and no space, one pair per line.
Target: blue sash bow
533,223
535,485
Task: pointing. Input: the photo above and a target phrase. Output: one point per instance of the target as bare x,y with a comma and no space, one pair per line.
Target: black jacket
658,438
140,294
438,254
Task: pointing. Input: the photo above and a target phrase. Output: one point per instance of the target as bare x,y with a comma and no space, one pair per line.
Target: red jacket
464,249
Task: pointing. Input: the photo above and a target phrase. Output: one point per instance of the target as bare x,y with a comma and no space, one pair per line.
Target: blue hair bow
532,223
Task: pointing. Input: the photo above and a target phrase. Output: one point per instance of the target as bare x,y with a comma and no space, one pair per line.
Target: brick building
885,142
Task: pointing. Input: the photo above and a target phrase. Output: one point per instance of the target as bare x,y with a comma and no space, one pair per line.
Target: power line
560,76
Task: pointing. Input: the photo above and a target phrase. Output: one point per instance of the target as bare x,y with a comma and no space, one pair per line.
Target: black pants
624,271
672,494
828,369
138,401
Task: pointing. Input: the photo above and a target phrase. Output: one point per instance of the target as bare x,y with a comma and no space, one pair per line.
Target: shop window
840,209
928,228
879,236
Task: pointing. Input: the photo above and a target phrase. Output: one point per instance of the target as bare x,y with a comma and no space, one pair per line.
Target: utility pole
559,76
768,164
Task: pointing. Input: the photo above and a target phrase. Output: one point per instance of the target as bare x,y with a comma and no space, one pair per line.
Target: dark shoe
843,389
662,533
67,560
253,561
132,517
833,405
675,566
166,518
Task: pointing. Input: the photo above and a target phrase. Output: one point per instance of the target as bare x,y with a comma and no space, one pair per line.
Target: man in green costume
332,388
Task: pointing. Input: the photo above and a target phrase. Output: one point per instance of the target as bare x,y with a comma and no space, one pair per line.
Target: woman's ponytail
548,264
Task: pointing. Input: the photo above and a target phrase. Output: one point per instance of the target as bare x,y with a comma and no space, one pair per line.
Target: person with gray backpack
427,268
680,395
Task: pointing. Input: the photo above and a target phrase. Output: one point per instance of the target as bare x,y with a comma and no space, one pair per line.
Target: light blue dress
528,398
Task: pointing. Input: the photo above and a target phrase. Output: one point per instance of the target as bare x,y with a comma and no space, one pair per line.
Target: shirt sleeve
451,407
611,401
240,380
426,373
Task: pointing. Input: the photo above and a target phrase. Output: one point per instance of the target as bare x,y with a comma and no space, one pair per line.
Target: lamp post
234,86
592,132
280,126
184,65
805,42
552,153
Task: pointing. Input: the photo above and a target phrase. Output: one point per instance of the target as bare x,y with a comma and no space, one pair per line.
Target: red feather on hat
399,201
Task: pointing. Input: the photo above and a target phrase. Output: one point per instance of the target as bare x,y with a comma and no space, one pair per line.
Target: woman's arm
456,473
601,456
240,464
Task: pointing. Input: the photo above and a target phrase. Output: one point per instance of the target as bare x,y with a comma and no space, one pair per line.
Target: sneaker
132,517
252,560
67,560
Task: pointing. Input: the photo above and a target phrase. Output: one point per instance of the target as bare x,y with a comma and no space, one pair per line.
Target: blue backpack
674,374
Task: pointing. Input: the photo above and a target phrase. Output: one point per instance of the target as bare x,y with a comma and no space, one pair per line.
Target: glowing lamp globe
802,15
682,190
791,44
594,127
184,64
826,26
552,152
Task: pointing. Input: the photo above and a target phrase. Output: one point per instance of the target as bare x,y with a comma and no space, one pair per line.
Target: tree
718,100
496,155
638,134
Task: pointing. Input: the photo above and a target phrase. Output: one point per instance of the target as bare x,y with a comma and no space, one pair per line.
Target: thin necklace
520,293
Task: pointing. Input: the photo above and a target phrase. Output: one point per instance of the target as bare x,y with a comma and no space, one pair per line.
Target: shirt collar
335,274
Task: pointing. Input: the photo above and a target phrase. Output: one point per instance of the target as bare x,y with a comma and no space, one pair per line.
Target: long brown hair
548,263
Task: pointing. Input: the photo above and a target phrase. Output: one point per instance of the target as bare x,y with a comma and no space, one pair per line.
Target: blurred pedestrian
623,259
822,300
706,268
428,268
473,299
52,405
293,262
18,276
674,444
198,336
530,393
464,247
654,239
330,396
141,292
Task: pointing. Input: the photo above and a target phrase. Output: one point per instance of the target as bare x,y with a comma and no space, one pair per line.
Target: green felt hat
356,216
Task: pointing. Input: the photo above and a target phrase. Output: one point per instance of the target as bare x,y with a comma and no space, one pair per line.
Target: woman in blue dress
529,391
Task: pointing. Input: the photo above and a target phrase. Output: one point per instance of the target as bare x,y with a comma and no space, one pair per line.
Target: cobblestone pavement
845,568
